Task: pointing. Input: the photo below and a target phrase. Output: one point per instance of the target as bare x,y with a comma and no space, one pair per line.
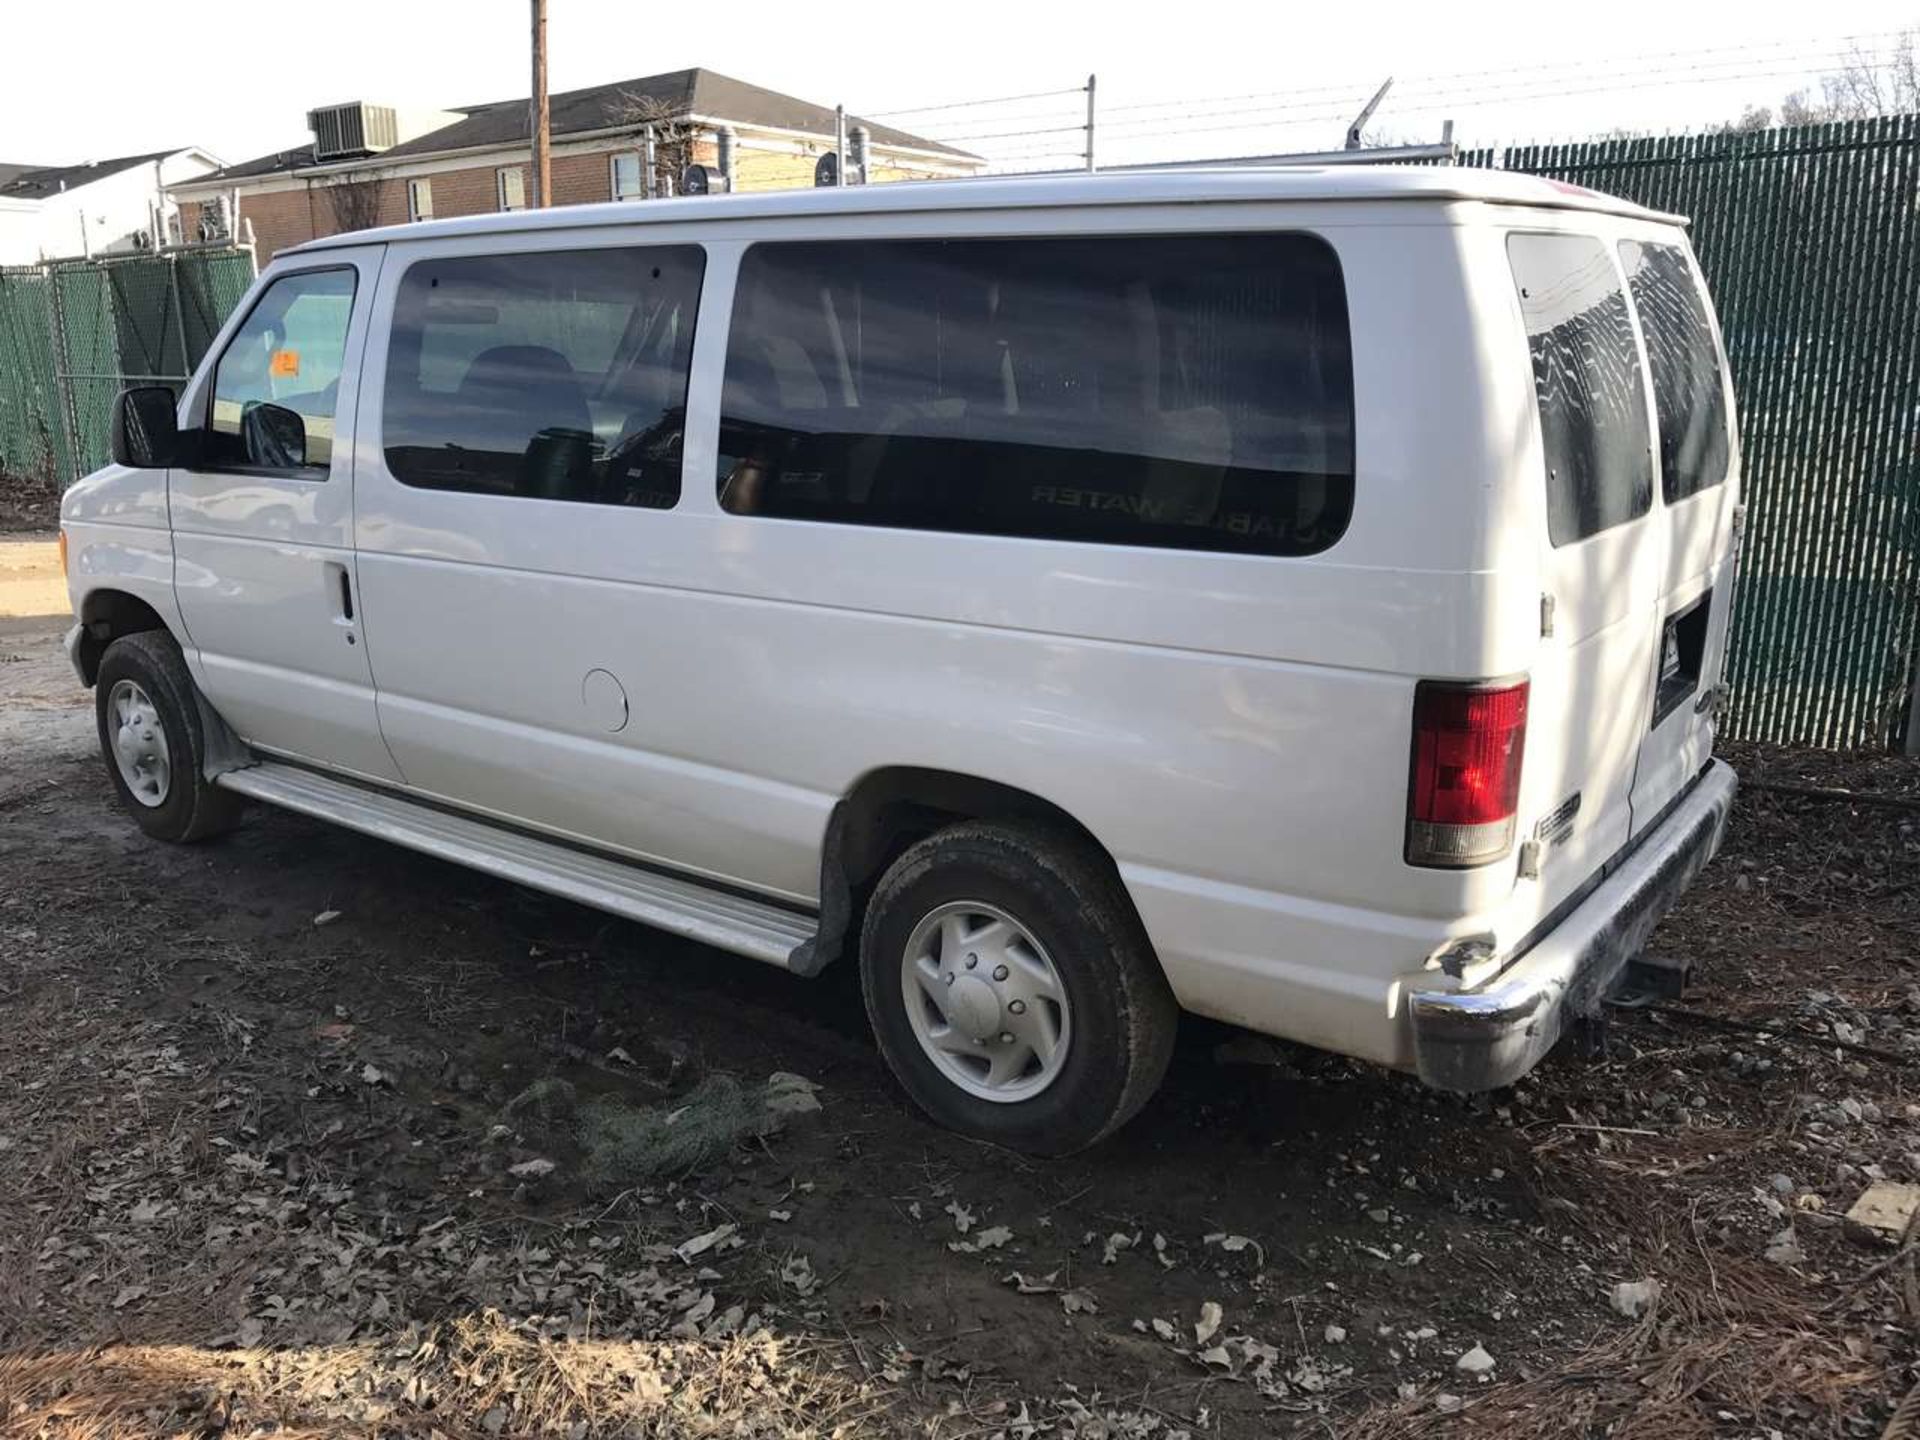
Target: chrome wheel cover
138,742
985,1002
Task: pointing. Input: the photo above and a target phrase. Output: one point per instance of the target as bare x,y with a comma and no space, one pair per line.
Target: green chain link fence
73,333
1810,240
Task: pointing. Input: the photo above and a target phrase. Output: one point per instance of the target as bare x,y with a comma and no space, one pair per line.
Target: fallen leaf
1234,1244
701,1244
531,1169
325,918
1164,1329
1116,1243
1079,1302
372,1075
1027,1285
128,1295
1216,1355
962,1217
798,1273
1209,1323
992,1238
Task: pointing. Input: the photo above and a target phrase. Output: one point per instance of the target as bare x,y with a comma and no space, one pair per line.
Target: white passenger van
1296,597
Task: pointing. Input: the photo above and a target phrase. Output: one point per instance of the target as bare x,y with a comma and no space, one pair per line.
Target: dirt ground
300,1132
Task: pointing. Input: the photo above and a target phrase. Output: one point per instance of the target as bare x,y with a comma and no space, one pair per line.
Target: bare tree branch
674,136
355,202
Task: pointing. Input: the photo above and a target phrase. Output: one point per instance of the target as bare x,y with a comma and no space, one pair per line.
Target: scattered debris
325,918
789,1095
1633,1298
1475,1362
1884,1214
1783,1248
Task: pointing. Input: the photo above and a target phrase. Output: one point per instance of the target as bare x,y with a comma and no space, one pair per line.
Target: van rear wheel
1012,989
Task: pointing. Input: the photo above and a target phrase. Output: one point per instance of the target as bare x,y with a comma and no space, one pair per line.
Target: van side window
287,352
1586,382
555,375
1689,398
1187,391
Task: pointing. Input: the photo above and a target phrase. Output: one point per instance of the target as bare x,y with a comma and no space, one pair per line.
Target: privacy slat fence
74,332
1810,239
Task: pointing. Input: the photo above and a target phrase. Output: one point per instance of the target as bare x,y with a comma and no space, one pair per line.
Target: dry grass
476,1376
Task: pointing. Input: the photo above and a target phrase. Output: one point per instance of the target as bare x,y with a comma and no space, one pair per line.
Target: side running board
720,918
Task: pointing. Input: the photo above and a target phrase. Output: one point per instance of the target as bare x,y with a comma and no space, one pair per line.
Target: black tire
191,808
1124,1018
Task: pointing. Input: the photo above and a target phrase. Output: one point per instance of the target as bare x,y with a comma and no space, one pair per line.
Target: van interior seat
511,393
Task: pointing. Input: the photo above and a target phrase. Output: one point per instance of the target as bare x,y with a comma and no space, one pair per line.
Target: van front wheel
1012,989
153,742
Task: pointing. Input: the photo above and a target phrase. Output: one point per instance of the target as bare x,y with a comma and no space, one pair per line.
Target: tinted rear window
559,375
1689,398
1188,391
1586,382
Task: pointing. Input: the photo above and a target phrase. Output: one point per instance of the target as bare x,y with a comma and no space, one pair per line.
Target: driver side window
286,354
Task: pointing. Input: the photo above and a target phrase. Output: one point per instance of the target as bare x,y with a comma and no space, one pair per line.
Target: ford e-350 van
1295,597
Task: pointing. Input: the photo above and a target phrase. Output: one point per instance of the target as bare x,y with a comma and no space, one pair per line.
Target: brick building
387,167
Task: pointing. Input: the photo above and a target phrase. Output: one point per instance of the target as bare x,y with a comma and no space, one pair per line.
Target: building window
1190,392
513,188
626,175
420,199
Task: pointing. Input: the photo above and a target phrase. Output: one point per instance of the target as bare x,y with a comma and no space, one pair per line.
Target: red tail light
1467,746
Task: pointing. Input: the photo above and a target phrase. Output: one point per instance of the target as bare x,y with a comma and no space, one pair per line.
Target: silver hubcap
139,743
985,1002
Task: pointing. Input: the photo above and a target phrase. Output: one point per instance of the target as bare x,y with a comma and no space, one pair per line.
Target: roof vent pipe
857,139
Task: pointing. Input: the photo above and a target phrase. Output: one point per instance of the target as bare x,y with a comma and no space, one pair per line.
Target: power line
1578,66
1525,87
971,104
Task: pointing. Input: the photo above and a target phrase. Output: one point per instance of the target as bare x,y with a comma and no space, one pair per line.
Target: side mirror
274,436
145,432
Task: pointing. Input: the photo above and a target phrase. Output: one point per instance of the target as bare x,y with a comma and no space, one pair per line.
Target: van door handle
343,597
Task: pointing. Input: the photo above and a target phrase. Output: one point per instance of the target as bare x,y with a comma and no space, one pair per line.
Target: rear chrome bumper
1488,1037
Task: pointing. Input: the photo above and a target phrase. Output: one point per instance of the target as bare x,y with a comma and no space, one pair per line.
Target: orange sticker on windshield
286,362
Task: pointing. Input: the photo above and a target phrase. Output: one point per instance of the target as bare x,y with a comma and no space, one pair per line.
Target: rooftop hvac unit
341,132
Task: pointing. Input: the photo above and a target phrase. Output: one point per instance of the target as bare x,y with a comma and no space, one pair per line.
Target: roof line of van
1108,188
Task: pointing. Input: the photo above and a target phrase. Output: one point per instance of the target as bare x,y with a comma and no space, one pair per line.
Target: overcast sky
87,79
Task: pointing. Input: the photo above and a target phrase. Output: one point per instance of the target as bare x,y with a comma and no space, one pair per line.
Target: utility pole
537,106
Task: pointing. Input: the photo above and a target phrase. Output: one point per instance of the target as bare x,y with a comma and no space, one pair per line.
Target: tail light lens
1468,741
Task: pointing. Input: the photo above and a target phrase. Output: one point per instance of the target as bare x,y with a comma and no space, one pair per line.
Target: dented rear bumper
1490,1036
